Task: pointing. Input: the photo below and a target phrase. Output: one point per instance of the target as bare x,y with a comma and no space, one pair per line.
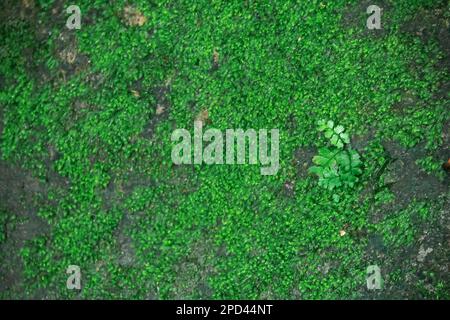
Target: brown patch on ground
71,60
133,17
203,116
215,60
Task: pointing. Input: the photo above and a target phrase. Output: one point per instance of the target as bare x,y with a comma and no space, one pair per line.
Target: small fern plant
338,165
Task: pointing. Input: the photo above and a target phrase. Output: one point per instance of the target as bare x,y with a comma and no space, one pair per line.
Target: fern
335,134
338,165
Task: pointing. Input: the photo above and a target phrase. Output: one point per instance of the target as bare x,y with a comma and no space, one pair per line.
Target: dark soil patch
71,60
161,110
422,266
432,25
194,270
360,142
408,181
126,254
303,160
429,252
19,194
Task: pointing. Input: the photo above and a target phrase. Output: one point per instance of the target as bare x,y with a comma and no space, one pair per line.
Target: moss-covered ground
86,176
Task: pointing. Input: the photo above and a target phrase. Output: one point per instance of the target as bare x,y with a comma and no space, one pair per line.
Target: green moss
250,65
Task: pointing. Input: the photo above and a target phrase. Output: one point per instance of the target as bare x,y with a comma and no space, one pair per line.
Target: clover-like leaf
345,138
339,129
322,124
330,124
334,139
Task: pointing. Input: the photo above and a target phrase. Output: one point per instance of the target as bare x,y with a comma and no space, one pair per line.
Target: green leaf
334,140
320,160
336,167
322,124
316,170
345,138
330,124
328,134
336,197
339,129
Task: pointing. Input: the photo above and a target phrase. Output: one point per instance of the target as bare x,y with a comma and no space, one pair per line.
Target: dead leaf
423,253
28,3
133,17
69,55
159,109
215,56
203,116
